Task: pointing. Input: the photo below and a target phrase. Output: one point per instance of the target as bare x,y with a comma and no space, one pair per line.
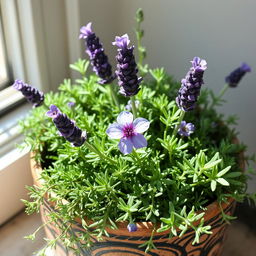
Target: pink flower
129,132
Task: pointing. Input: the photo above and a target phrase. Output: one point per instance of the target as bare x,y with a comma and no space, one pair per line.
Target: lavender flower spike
129,132
186,129
98,58
31,94
67,127
191,85
126,67
234,77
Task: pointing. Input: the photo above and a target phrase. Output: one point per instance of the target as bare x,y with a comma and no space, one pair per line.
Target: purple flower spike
129,132
67,127
126,67
132,227
98,58
30,93
191,85
186,129
234,77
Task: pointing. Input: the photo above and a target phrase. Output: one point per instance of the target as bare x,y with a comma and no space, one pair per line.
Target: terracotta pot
123,243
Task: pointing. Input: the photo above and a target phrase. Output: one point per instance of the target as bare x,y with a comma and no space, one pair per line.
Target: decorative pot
121,242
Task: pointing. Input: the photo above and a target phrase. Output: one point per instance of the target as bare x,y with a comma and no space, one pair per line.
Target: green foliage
80,66
168,182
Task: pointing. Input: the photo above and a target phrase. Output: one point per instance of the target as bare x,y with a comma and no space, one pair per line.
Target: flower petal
53,112
190,127
182,124
85,31
139,141
122,41
125,117
114,131
125,146
141,125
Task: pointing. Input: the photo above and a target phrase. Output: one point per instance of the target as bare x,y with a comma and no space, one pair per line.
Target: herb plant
157,151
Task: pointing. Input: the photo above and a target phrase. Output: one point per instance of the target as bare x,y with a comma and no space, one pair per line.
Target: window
8,97
33,33
4,72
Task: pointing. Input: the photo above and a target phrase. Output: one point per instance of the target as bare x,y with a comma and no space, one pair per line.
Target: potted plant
151,170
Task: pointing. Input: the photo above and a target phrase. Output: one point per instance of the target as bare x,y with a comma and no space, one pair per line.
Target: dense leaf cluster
167,182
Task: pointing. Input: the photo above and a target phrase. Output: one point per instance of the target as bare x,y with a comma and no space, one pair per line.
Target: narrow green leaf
213,185
222,182
211,164
224,171
164,228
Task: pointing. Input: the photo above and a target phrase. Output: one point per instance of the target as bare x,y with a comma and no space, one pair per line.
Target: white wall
222,32
105,18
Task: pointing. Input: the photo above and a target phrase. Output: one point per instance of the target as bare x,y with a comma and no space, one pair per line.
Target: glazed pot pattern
123,243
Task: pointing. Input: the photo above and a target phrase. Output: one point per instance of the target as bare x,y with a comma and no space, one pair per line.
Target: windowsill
10,134
9,97
14,164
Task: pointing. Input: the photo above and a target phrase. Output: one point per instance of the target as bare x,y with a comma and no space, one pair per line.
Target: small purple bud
186,129
235,76
132,227
71,104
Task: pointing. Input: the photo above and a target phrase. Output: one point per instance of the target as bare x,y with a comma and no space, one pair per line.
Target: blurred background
39,39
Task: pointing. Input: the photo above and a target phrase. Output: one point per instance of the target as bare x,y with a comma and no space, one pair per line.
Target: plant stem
158,85
139,35
100,154
134,110
222,92
139,47
130,217
178,124
44,105
113,95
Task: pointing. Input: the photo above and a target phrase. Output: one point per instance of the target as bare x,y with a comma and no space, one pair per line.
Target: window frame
8,79
31,59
